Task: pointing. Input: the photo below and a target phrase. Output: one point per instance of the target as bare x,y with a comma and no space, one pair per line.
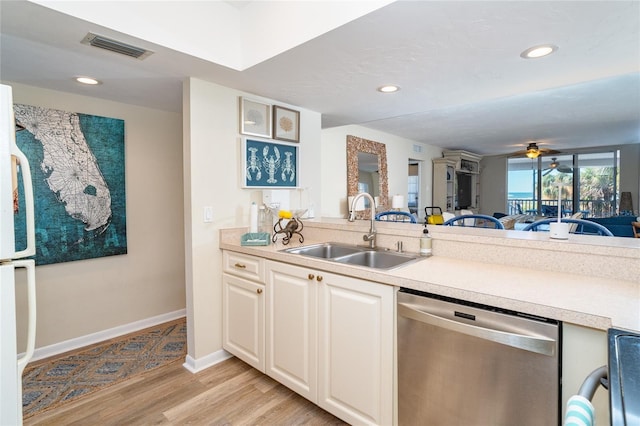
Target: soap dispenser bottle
425,242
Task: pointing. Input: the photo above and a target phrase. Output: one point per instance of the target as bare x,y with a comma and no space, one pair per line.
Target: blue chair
582,226
518,208
394,216
475,221
549,211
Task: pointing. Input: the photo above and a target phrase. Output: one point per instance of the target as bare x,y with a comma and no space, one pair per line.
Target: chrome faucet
371,236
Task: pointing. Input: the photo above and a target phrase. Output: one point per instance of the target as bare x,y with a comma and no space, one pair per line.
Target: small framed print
255,118
286,124
267,164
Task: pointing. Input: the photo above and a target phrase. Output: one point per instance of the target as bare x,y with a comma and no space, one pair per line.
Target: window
598,185
364,187
522,184
589,184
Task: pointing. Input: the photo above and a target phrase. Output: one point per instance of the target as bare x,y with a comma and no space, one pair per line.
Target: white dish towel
580,412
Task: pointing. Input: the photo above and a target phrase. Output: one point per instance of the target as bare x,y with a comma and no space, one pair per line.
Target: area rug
50,383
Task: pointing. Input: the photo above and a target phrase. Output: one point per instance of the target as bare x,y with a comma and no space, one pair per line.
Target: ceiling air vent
116,46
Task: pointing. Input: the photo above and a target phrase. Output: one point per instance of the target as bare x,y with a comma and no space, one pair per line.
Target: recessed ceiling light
388,89
88,80
538,51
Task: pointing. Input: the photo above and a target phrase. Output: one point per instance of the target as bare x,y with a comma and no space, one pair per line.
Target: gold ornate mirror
363,171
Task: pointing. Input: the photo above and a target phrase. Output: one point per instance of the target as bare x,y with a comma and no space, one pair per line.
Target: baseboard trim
196,365
100,336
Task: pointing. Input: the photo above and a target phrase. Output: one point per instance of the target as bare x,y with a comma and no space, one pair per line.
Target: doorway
413,187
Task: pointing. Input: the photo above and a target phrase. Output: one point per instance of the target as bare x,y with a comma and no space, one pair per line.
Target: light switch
208,214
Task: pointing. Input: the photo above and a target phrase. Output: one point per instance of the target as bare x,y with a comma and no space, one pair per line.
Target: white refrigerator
13,166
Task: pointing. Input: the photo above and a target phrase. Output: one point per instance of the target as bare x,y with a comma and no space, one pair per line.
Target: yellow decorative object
285,214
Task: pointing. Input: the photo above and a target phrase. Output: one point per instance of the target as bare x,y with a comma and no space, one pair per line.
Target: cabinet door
355,366
291,340
243,319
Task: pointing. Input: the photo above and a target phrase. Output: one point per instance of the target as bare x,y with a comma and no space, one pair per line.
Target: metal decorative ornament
293,227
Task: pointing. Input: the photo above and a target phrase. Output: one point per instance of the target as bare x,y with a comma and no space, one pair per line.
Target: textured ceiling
463,83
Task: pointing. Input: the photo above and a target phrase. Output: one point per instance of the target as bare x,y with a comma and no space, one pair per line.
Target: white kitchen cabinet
243,308
292,336
243,265
355,363
330,338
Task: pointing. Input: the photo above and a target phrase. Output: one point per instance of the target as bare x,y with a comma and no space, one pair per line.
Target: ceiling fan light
532,151
532,154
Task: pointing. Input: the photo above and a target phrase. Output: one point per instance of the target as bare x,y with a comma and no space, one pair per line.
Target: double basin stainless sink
355,255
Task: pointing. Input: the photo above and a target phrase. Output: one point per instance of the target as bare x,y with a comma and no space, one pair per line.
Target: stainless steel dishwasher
461,363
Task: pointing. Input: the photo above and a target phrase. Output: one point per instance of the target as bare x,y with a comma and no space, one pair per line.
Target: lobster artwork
288,168
253,164
271,164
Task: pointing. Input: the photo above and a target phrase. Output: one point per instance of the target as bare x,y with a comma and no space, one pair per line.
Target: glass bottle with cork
425,242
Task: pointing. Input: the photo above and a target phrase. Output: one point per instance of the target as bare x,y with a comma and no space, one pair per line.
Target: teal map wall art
78,170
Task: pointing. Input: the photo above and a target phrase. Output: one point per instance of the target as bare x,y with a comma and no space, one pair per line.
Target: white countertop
586,300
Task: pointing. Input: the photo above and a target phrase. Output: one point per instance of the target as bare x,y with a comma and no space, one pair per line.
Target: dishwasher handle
537,344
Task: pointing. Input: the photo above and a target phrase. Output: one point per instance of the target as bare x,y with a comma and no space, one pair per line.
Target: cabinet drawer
243,265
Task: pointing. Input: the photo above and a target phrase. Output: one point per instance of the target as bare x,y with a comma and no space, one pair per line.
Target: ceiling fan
533,151
555,165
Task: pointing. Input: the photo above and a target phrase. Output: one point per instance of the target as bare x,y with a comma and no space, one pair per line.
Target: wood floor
229,393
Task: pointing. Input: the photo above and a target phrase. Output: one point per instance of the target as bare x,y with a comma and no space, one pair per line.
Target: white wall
399,151
83,297
493,184
212,177
630,173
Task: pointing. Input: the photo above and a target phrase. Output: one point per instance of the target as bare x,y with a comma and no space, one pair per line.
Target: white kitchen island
587,282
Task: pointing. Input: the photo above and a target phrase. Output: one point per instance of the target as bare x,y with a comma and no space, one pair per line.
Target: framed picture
255,118
269,164
286,124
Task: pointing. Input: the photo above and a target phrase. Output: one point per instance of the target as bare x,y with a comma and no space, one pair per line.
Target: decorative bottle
264,220
425,242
